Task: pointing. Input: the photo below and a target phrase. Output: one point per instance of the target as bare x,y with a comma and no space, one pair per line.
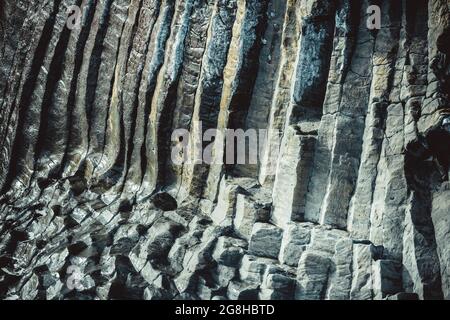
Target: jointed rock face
357,205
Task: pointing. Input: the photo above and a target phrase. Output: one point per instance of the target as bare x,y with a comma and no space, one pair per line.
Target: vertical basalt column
305,109
270,60
165,94
58,100
291,32
195,74
336,158
348,123
125,120
122,107
101,79
313,61
51,23
239,77
80,104
293,174
439,215
132,115
12,56
385,57
254,27
428,228
408,88
205,100
17,60
154,60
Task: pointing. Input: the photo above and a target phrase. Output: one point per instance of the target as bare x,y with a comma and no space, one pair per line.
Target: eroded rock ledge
357,208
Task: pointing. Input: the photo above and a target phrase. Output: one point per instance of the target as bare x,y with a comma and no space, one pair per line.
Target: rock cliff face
350,200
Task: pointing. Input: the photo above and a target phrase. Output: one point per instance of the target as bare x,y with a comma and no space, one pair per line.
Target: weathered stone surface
265,240
312,276
242,291
249,210
296,237
387,278
362,287
229,251
277,285
291,182
341,278
253,268
348,199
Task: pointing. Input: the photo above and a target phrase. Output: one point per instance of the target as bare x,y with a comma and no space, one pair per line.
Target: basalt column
119,179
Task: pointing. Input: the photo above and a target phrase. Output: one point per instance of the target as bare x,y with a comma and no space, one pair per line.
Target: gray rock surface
350,198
